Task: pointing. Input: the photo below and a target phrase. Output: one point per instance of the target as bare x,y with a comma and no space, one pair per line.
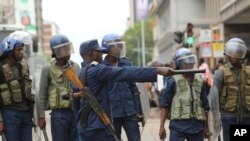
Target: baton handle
191,71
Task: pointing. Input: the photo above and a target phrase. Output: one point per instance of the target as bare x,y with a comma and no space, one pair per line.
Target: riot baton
190,71
45,134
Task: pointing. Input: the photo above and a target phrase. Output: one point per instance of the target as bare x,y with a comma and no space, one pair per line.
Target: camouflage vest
59,92
235,90
186,102
12,89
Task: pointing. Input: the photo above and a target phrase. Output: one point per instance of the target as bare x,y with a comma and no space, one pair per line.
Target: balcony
235,11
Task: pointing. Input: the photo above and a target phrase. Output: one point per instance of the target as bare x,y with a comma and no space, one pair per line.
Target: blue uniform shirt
188,125
121,94
98,79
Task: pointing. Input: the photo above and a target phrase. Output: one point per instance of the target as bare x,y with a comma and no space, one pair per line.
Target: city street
149,133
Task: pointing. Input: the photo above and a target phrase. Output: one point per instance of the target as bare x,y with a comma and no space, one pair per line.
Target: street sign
205,35
218,49
205,50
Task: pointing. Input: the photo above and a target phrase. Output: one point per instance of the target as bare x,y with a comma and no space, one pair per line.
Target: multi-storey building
226,18
7,11
49,29
15,11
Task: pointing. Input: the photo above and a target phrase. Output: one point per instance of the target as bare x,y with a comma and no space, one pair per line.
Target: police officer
55,92
123,95
232,85
15,92
185,99
97,79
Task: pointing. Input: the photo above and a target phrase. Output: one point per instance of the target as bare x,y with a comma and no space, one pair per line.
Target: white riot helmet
185,59
25,37
235,48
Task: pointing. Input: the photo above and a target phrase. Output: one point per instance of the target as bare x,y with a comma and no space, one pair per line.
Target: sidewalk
151,129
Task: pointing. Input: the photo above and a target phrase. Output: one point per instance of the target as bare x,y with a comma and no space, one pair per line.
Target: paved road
151,129
149,133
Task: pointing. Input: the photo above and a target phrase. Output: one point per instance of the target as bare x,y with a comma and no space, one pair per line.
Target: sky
82,20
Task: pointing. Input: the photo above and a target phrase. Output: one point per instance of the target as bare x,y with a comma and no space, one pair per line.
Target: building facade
171,16
7,11
49,29
224,18
21,13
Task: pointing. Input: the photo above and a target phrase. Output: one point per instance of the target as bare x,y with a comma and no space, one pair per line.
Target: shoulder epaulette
126,59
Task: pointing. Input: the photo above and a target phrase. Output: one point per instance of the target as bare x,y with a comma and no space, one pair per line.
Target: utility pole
143,44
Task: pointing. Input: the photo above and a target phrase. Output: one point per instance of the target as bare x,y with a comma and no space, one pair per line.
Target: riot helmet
61,46
184,59
12,46
235,48
235,51
114,45
10,43
25,37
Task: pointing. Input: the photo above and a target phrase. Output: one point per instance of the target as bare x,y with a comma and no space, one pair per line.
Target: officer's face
236,62
63,60
19,52
115,51
187,66
96,55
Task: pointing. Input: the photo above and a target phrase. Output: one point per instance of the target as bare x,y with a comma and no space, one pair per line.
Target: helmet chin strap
238,64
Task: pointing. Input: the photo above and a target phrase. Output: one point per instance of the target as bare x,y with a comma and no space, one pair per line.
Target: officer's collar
106,61
84,63
122,60
54,62
231,66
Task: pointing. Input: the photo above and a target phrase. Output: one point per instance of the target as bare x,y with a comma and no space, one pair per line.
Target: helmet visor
117,49
235,50
187,62
63,50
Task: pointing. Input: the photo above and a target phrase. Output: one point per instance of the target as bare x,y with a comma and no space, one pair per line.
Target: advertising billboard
25,14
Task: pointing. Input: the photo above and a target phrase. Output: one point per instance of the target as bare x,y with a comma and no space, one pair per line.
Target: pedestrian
184,102
231,82
124,96
220,63
157,87
207,75
55,92
15,92
98,78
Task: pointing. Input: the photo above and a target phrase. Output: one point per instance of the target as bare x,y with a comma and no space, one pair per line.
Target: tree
133,35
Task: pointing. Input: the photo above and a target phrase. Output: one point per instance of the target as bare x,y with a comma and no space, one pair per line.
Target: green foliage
131,38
